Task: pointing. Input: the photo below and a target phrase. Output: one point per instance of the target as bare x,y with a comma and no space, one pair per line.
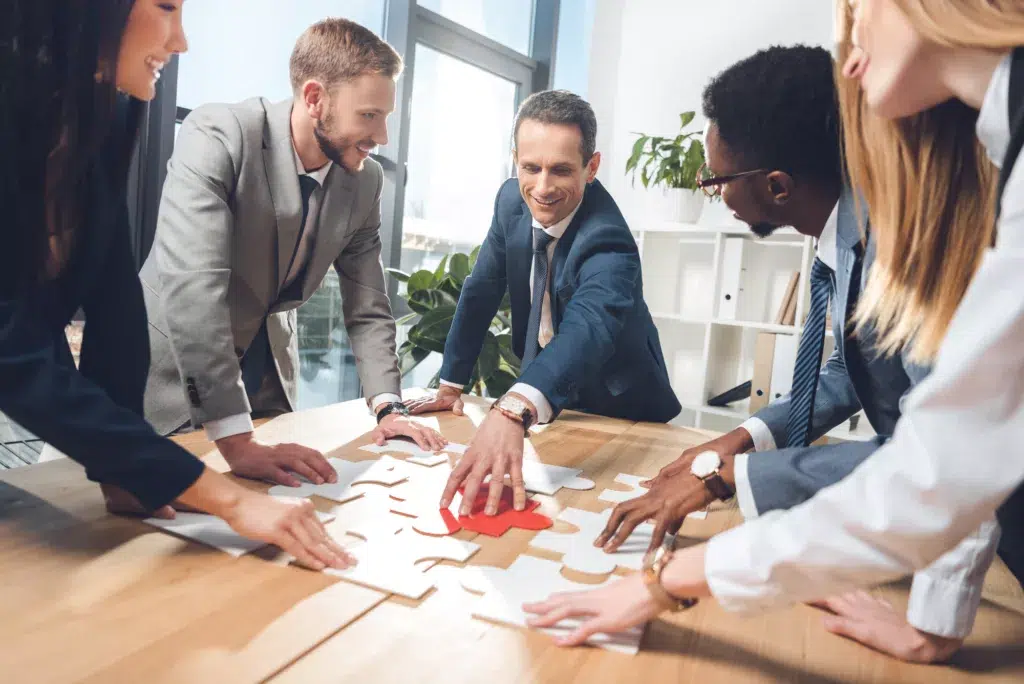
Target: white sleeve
759,432
954,458
228,427
537,397
744,492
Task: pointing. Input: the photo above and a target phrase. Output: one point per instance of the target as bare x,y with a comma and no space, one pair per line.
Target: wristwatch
392,407
706,467
654,564
515,408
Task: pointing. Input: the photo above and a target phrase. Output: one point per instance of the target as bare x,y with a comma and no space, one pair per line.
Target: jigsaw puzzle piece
578,550
384,471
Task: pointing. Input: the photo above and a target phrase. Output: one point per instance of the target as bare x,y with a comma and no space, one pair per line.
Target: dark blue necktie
293,292
808,358
541,240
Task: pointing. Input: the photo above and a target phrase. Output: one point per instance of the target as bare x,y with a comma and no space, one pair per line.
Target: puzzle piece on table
542,478
529,580
388,562
384,471
633,482
415,453
579,552
213,531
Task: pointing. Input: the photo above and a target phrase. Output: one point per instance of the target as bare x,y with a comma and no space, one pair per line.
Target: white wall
651,60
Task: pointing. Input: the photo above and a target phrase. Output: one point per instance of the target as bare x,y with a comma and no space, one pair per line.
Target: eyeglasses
712,185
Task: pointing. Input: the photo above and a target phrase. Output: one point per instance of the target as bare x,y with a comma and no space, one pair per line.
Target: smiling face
352,121
152,35
551,170
896,67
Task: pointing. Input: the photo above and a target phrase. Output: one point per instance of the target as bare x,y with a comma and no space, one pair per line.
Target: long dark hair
58,102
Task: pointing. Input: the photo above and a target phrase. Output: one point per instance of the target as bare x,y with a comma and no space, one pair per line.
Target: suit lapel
283,177
560,256
520,259
332,227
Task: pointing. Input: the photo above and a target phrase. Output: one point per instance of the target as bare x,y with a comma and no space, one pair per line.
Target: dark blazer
92,414
605,357
855,377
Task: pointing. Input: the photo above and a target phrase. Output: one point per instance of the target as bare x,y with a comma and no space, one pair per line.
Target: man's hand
496,450
668,502
249,457
874,623
444,399
731,443
397,425
121,502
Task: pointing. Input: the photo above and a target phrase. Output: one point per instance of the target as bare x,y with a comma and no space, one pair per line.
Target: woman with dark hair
74,75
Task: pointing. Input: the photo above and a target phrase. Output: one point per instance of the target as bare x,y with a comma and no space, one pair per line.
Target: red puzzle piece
444,521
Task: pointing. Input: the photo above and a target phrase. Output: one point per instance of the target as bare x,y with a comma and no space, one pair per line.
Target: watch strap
718,486
392,407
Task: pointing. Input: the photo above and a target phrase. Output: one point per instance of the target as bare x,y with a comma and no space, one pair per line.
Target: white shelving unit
707,349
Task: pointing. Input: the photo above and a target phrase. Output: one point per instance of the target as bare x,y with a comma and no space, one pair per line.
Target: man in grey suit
260,200
773,145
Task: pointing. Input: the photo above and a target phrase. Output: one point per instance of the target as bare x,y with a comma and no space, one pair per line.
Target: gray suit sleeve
366,307
193,256
834,401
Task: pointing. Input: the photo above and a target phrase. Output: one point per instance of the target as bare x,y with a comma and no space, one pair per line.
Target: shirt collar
319,175
993,127
828,239
556,231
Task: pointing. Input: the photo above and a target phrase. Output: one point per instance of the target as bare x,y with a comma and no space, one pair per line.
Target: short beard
333,152
762,230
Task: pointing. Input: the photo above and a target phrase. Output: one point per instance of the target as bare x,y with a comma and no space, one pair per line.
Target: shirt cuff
539,400
744,492
762,436
385,398
226,427
942,607
449,383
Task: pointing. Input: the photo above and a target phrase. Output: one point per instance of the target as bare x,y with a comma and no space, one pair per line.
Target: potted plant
433,296
671,164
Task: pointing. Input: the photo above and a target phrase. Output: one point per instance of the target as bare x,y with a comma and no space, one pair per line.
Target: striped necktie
541,240
808,358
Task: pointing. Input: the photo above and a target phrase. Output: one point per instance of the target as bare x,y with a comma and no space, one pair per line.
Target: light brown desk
90,597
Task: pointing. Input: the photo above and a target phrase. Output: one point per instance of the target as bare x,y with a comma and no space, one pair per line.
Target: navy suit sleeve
605,283
94,416
478,303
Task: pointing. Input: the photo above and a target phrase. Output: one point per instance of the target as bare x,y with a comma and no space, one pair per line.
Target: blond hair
334,50
926,182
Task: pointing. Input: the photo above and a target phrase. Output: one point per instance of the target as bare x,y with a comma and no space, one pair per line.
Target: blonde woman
956,454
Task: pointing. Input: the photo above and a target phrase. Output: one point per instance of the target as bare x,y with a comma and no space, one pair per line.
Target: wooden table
91,597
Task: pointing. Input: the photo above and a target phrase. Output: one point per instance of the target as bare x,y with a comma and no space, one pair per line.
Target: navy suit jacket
93,413
605,357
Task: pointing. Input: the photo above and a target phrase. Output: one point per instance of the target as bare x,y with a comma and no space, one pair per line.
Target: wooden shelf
678,318
756,325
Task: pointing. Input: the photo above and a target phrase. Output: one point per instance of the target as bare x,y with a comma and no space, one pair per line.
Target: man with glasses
774,157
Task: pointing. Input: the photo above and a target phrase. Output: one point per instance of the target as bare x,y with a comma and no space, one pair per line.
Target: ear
314,97
592,167
780,187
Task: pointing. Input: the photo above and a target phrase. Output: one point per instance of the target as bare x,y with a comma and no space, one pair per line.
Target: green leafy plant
670,162
433,297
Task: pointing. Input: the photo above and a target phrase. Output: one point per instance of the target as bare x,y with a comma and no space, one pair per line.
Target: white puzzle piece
578,550
418,498
388,562
384,471
402,446
633,481
213,531
542,478
529,580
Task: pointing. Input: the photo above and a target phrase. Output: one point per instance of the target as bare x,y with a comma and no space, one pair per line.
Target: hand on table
496,450
874,623
444,399
248,457
667,503
737,441
120,502
397,425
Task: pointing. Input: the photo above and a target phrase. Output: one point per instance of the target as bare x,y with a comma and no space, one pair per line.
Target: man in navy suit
562,250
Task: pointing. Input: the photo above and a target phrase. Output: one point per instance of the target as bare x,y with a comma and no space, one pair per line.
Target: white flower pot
675,204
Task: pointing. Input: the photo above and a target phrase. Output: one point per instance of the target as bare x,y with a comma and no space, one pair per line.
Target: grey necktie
541,240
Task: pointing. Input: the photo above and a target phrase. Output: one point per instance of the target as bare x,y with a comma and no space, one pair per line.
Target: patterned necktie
808,358
541,240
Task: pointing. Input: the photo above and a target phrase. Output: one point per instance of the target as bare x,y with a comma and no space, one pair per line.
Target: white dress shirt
242,422
953,459
547,330
759,432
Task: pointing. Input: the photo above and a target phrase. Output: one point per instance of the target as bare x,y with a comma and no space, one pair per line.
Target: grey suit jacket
854,377
227,228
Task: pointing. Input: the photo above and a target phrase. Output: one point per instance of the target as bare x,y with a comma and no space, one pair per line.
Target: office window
459,155
572,48
506,21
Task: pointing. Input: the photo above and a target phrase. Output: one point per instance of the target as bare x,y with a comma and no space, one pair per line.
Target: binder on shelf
787,309
764,356
782,365
732,277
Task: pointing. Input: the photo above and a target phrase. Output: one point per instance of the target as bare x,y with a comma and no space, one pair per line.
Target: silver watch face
513,404
705,463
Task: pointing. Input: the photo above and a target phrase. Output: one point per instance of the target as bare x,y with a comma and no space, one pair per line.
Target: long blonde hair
926,182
